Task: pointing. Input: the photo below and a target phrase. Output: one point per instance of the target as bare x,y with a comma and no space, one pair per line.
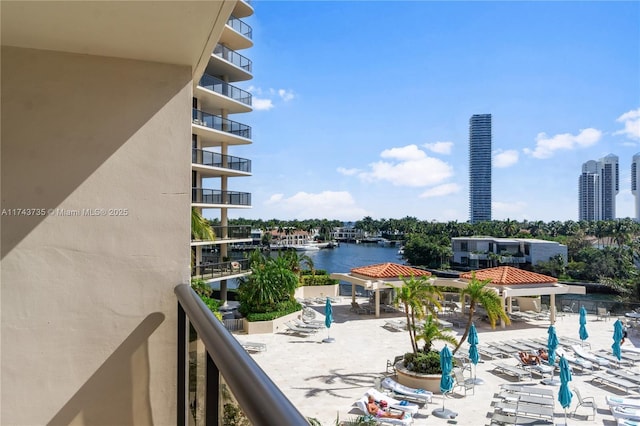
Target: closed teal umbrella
565,395
583,323
552,344
618,333
328,319
474,356
446,383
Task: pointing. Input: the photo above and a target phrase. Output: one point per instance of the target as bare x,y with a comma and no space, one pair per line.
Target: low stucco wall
317,291
430,382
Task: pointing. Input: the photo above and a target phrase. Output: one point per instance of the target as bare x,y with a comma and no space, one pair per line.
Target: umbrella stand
328,339
476,380
444,413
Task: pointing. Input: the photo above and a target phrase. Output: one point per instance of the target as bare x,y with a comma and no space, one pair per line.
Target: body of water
349,255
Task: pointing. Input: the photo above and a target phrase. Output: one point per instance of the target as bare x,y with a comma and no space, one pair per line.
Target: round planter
430,382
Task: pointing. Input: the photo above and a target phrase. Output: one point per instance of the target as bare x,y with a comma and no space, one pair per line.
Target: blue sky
362,108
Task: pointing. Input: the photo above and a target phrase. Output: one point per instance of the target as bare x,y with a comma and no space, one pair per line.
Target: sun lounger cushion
362,406
393,403
625,412
617,400
416,394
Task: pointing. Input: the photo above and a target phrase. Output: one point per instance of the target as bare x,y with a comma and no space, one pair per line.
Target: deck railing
215,159
224,375
217,196
240,26
216,85
216,122
233,57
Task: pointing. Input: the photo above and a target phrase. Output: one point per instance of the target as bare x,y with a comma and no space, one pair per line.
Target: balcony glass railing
215,159
217,196
232,56
211,270
219,86
218,123
216,376
240,26
230,232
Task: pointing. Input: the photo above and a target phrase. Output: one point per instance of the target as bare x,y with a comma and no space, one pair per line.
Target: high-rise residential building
480,168
598,186
635,183
99,103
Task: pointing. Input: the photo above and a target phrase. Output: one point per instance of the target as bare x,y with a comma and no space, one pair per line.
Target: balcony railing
240,26
232,56
217,196
209,271
222,374
215,159
226,89
237,232
218,123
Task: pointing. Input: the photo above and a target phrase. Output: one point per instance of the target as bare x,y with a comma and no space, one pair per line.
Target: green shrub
314,272
312,280
284,308
423,363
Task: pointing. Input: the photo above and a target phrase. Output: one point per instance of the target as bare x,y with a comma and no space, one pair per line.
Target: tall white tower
598,186
635,183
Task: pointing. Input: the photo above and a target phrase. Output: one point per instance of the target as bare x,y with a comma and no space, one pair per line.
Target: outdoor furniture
539,369
528,390
617,400
392,364
526,398
361,404
603,314
294,329
461,382
254,346
303,324
589,402
491,352
583,353
612,359
569,308
511,370
396,324
418,395
613,381
396,404
529,410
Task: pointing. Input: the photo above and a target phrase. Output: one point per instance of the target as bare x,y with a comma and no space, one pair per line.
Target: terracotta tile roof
389,270
505,275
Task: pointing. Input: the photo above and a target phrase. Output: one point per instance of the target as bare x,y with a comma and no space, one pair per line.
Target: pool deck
324,379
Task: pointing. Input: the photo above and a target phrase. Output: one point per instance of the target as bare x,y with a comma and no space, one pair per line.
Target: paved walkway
324,379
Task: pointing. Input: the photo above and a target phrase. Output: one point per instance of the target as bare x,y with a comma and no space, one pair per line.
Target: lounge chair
462,382
580,363
310,325
254,346
396,404
512,370
626,422
617,400
614,381
417,395
540,369
589,402
294,329
624,412
583,353
361,404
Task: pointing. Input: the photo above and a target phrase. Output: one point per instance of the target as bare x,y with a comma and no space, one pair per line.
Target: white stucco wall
543,251
88,310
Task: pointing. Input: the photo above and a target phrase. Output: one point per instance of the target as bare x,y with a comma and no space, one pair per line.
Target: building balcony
226,61
236,34
513,259
215,164
216,198
215,94
227,235
215,130
221,270
478,256
242,9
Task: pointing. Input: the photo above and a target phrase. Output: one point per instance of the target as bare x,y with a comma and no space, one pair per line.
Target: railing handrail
233,57
220,123
240,26
217,191
200,156
216,85
260,399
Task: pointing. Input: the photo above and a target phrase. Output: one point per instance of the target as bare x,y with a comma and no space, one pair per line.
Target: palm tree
414,295
478,293
271,282
432,332
200,229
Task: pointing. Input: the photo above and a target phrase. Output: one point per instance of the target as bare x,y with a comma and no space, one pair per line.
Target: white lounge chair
581,363
624,412
583,353
361,404
396,404
626,422
539,369
617,400
418,395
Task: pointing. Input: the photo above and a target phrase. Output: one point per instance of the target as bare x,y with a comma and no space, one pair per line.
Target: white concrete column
552,308
377,300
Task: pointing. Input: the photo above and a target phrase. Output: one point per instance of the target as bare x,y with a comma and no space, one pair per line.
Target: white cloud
503,159
286,95
631,120
347,172
260,104
504,210
441,190
439,147
408,166
547,146
412,167
324,204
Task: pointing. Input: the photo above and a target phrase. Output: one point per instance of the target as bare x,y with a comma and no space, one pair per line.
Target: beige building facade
95,177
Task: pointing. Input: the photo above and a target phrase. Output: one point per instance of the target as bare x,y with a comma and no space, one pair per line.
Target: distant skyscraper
635,182
598,186
480,168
